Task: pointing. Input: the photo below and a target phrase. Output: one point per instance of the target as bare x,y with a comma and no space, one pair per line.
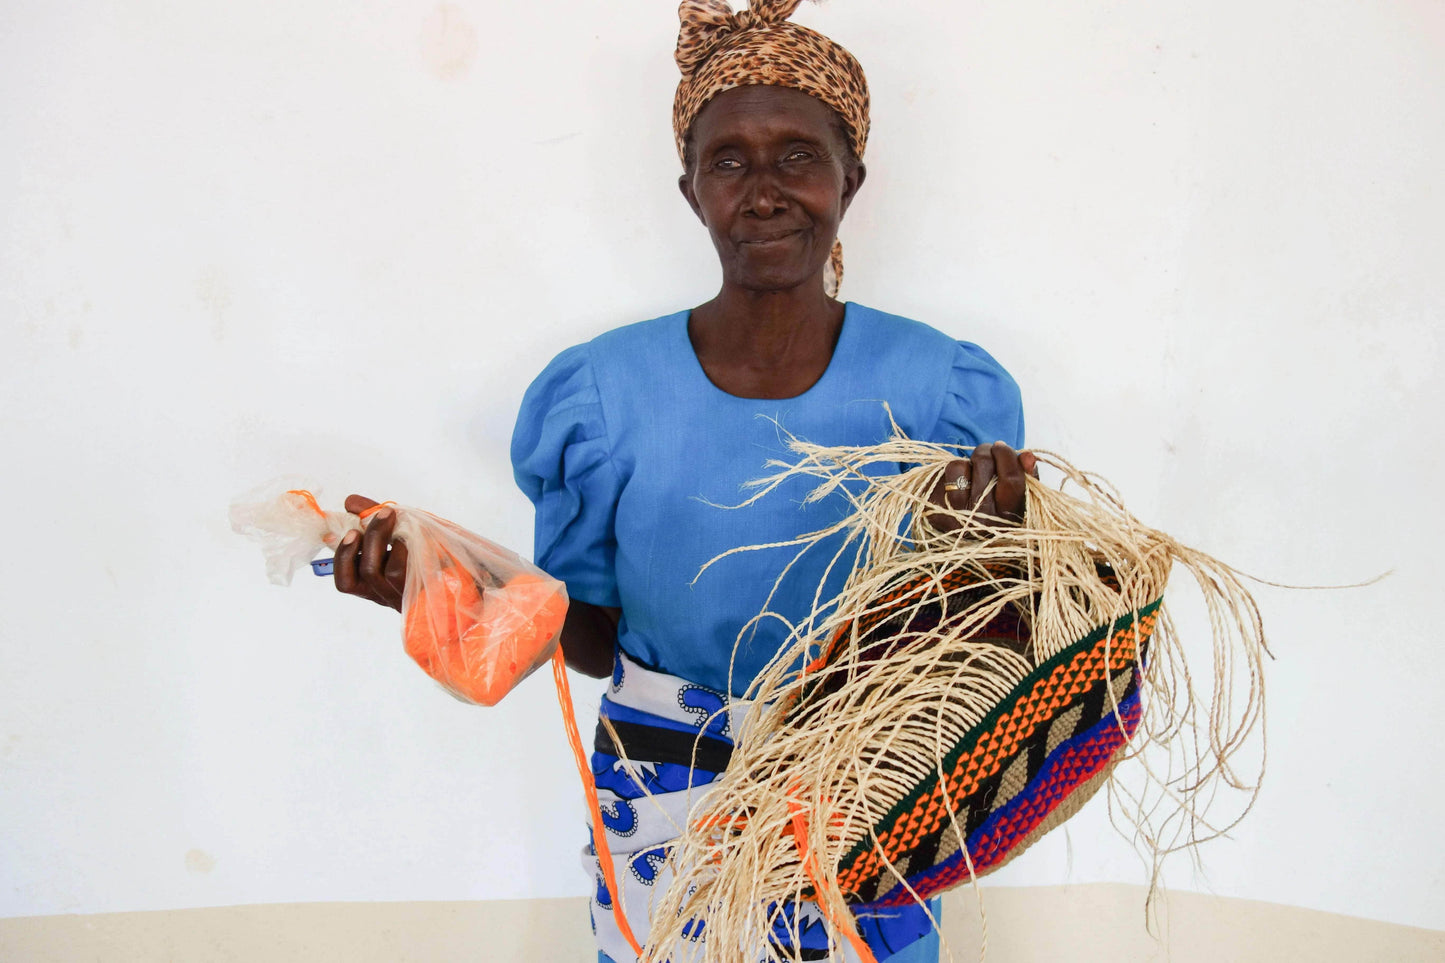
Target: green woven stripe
970,739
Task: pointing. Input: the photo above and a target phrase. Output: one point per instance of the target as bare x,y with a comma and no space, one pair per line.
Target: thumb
356,504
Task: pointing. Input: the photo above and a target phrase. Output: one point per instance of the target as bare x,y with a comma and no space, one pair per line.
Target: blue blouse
629,454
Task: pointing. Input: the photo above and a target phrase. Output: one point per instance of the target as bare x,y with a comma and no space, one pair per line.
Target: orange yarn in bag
478,644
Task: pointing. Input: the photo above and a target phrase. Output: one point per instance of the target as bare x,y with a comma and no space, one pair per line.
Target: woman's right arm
589,638
563,461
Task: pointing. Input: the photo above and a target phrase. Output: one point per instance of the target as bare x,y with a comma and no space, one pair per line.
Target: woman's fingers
997,463
343,569
395,572
958,495
1009,490
372,566
356,504
949,496
979,498
374,542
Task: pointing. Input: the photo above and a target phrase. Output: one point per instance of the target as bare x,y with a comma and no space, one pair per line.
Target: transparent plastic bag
478,618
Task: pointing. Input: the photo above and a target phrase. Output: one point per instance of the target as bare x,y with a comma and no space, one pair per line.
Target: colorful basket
965,692
1023,769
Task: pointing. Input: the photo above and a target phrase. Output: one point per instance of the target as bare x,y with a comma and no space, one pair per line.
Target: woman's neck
766,344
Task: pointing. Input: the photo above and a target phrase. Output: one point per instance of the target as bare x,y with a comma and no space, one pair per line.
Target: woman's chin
779,284
775,276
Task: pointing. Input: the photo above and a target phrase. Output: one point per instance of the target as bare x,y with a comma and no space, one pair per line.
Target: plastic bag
478,618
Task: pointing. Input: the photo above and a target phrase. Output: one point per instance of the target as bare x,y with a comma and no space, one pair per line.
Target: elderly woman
629,446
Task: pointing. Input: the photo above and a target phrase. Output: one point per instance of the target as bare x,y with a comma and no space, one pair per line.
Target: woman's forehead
764,111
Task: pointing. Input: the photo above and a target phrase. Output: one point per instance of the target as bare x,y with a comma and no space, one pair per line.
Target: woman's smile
772,238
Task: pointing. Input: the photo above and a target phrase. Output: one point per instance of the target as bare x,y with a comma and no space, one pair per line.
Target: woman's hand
371,564
997,462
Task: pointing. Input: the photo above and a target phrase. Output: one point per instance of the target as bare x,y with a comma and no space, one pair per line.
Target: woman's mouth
774,237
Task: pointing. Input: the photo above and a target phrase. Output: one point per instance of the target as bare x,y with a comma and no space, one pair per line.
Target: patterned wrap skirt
677,738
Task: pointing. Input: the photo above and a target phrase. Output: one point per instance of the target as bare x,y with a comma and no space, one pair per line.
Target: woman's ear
684,184
852,181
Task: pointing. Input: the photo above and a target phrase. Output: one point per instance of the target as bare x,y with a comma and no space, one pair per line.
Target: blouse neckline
838,363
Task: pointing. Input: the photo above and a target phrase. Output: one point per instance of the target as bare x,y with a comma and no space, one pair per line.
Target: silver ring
960,484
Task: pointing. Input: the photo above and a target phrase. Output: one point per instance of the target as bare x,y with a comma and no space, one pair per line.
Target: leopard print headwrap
718,50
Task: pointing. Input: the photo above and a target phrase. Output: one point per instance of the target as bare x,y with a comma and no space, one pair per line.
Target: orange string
310,499
810,867
589,786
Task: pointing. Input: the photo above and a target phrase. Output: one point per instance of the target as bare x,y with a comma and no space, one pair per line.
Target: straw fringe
830,760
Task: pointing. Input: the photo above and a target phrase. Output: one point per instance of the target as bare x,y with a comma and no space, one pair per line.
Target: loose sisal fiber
829,752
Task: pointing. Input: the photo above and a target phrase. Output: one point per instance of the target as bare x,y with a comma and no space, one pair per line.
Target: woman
630,444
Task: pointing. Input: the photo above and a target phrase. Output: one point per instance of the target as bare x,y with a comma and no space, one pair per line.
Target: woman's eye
799,155
727,164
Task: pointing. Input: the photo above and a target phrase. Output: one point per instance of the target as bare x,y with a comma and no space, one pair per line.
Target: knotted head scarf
719,49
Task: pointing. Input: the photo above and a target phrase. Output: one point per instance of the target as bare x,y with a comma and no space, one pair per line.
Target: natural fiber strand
830,764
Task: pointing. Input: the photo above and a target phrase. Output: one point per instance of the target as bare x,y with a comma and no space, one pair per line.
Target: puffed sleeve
562,461
981,402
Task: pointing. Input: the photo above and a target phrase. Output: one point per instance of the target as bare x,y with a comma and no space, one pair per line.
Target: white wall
238,240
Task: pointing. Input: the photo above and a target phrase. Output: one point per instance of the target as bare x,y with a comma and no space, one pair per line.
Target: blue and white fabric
645,805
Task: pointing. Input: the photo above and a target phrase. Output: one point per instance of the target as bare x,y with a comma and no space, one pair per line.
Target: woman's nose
764,198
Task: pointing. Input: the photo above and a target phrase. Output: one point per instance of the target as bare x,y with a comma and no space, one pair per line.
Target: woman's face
771,179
